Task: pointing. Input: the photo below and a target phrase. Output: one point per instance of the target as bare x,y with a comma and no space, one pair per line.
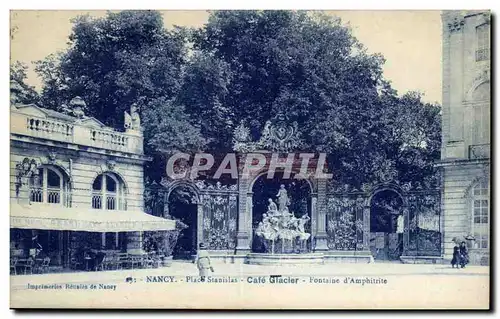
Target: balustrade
108,139
76,133
47,128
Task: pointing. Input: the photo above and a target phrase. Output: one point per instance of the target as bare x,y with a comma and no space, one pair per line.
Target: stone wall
465,122
457,206
465,116
83,168
81,165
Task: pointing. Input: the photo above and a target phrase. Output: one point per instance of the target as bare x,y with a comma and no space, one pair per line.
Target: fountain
284,235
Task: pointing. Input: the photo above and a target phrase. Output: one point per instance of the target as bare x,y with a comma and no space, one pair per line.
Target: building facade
75,184
465,155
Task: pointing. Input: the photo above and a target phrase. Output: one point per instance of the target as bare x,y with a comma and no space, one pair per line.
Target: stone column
243,235
199,220
453,74
321,235
314,218
366,225
406,230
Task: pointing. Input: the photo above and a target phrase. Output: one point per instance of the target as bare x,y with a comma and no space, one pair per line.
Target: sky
410,41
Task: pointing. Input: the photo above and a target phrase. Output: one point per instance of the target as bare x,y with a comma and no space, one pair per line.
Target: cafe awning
55,217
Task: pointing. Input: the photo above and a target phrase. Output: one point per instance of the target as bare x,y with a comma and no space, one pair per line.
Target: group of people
460,255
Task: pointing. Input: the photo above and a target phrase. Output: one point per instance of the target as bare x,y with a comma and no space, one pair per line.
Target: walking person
464,254
203,262
456,257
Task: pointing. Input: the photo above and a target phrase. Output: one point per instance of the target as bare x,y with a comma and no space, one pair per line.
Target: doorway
182,205
386,225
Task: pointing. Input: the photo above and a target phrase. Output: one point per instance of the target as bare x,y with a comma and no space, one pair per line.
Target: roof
57,217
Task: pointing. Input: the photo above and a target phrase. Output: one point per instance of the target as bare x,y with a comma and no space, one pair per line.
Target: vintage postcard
251,159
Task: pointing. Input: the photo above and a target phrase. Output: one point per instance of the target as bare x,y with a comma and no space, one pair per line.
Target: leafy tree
28,93
246,66
121,59
115,61
249,65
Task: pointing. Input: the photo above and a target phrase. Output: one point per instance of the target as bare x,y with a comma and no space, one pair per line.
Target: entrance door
182,206
386,233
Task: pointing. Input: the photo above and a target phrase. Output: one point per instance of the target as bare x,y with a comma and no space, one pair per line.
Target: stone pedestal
243,243
321,242
284,259
339,256
421,259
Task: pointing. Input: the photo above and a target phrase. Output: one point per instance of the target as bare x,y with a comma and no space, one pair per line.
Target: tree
115,61
306,64
121,59
245,67
28,93
249,65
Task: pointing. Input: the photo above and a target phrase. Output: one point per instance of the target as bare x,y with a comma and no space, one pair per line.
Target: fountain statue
280,227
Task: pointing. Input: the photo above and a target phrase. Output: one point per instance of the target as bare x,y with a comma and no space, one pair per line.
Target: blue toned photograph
253,159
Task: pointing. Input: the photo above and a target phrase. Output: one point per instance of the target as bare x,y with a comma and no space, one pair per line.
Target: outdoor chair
123,260
148,261
74,263
44,268
107,263
13,265
113,261
29,265
98,260
117,261
159,260
135,262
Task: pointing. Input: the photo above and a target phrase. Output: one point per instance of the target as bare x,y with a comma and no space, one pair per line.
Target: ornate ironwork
219,220
347,210
218,186
279,134
424,224
345,223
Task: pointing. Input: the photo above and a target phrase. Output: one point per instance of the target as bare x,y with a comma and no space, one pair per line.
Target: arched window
483,42
108,192
49,186
480,215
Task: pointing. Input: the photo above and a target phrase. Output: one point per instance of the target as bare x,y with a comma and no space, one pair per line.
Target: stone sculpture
279,225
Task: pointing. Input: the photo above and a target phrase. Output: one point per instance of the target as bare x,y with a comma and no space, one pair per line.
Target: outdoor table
38,264
87,259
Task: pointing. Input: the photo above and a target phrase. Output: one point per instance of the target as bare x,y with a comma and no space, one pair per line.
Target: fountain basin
284,259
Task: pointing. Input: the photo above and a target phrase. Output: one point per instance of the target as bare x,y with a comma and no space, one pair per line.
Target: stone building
75,183
465,156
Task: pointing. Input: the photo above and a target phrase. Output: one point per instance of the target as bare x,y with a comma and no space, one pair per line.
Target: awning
56,217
